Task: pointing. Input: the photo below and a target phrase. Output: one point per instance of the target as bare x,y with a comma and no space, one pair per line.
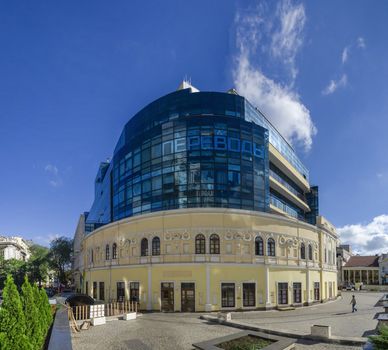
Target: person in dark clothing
354,303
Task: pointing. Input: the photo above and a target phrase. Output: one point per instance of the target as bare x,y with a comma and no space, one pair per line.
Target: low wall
375,287
60,334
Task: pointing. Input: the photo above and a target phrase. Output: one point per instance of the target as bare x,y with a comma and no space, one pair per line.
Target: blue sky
72,73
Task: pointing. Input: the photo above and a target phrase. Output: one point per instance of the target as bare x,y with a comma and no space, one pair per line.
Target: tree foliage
60,257
45,308
38,264
16,268
35,330
12,320
380,342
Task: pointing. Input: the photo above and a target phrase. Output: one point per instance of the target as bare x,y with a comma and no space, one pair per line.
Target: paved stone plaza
337,314
179,331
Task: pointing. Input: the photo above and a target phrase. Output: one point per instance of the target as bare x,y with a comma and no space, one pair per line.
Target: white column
267,292
308,286
149,297
208,305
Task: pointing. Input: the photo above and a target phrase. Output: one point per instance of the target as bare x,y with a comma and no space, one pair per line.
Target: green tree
12,320
38,264
16,268
41,310
32,315
60,257
45,308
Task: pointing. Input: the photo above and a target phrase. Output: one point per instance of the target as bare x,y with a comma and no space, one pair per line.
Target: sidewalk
337,314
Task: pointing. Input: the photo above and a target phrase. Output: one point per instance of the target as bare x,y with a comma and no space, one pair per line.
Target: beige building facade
250,260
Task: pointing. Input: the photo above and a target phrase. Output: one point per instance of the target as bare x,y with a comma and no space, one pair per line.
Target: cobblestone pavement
337,314
179,331
164,332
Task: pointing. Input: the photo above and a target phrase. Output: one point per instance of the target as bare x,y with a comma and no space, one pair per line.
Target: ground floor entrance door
167,296
187,297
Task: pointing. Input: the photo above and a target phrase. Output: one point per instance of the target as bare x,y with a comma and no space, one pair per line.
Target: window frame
114,251
259,246
155,246
214,244
200,244
271,247
228,300
144,247
302,251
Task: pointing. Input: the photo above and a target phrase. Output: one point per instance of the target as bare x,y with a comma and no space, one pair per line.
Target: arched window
91,256
107,254
144,247
200,244
259,246
302,251
271,247
114,251
310,252
214,244
156,246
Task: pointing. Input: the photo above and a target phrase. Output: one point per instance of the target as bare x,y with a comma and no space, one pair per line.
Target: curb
358,341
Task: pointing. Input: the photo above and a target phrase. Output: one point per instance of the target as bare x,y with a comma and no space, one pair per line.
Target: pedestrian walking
354,303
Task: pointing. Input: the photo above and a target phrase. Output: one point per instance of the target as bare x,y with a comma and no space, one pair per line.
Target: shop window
249,294
297,291
120,291
282,293
134,292
227,295
94,290
102,291
316,291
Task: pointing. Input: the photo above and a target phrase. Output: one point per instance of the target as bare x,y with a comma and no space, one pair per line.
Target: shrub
32,315
46,308
380,342
12,320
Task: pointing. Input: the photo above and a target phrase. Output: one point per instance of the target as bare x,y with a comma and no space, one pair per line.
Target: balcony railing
287,185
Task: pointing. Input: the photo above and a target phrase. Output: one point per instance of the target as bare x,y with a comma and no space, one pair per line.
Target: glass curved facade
204,156
189,149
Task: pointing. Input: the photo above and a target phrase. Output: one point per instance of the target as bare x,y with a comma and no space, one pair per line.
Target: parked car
50,292
67,293
80,299
350,286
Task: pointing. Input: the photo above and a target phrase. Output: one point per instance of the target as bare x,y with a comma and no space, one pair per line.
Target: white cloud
52,169
335,84
361,42
345,54
281,105
287,38
55,179
281,40
367,238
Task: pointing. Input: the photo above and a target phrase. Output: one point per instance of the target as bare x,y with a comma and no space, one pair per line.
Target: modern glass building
190,154
199,149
